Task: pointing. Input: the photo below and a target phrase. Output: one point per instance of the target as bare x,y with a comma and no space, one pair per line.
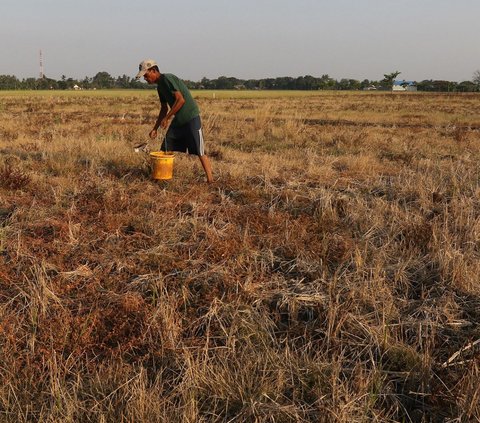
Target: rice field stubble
330,274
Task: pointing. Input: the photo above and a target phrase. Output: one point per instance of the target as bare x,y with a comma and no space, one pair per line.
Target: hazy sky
438,39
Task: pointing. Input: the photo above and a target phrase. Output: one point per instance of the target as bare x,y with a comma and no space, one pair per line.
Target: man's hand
165,122
153,134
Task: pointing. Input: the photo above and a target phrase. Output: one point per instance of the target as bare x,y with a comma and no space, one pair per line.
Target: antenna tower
42,73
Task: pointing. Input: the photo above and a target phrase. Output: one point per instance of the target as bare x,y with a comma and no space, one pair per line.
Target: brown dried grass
329,274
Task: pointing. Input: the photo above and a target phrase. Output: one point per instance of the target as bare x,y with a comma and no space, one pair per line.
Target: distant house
404,86
76,87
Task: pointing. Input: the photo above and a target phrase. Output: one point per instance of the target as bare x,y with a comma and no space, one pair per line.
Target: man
185,130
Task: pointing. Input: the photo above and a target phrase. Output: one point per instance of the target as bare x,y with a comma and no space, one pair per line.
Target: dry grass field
330,274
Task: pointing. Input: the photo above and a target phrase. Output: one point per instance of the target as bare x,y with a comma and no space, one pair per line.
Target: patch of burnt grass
5,214
416,235
13,178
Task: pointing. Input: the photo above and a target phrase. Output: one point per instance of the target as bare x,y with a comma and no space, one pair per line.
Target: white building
404,86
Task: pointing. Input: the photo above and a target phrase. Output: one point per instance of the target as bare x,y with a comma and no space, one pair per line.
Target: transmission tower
42,73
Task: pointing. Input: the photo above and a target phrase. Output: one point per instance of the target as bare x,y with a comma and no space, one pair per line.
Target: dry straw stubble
331,273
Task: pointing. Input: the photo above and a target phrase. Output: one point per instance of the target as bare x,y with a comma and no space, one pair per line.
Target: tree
348,84
388,79
251,84
467,87
8,82
443,86
46,84
476,77
62,84
86,82
123,81
226,83
365,84
103,80
310,82
284,83
29,83
326,83
205,83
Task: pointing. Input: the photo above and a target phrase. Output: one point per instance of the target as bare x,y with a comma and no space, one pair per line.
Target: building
404,86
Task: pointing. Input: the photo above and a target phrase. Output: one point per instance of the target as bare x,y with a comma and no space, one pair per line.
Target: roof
403,82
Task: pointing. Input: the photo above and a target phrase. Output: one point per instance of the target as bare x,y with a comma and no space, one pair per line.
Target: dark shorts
187,138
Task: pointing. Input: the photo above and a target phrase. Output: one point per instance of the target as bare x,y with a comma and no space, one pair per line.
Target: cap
144,66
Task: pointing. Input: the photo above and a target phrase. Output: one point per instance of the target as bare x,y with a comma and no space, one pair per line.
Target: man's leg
206,167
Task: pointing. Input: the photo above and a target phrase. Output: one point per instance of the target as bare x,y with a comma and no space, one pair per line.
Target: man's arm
179,102
161,116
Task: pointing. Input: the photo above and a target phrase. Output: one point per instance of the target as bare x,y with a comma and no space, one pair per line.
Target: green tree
62,84
226,83
103,80
284,83
29,84
326,83
467,87
46,84
86,83
365,84
8,82
251,84
123,81
443,86
207,84
348,84
310,82
388,79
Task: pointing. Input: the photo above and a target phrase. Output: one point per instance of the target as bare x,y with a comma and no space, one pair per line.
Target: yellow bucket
162,164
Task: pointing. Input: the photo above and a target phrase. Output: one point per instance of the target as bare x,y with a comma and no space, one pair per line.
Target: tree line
103,80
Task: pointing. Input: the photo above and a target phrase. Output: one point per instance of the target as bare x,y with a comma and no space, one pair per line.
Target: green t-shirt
166,87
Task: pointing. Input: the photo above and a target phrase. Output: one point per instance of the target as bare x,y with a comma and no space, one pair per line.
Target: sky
248,39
